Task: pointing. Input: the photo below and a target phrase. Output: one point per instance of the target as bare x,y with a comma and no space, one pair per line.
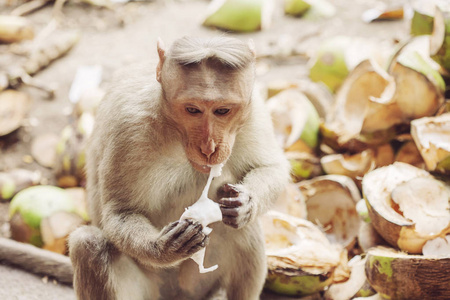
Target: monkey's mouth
201,168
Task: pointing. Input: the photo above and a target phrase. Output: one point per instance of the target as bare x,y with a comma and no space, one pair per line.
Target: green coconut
422,20
301,261
30,206
239,15
296,7
15,180
295,120
329,65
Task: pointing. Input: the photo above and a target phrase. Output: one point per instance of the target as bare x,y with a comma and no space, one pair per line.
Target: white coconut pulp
205,211
438,247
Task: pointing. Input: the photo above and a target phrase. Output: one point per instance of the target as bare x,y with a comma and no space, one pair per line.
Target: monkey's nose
208,148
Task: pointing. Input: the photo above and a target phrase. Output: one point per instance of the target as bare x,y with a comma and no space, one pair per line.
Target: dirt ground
115,38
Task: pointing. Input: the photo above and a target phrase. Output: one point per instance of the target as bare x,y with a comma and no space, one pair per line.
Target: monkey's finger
170,227
230,202
228,190
231,212
190,232
196,243
177,230
231,189
199,246
230,221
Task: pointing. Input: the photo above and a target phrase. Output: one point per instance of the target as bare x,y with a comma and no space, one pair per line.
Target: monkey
155,137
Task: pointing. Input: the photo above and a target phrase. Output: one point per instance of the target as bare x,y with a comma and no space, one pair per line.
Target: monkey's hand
179,240
235,204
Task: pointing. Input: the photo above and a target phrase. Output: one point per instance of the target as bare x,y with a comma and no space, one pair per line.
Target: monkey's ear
251,47
162,56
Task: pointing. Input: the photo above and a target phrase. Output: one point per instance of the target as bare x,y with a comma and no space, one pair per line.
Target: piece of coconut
419,87
79,197
239,15
291,201
56,228
368,237
303,165
397,275
440,37
410,154
15,29
439,247
294,118
422,18
14,107
31,206
336,57
296,7
355,286
300,258
70,152
318,94
425,202
43,149
432,137
388,217
351,165
357,107
205,211
15,180
331,203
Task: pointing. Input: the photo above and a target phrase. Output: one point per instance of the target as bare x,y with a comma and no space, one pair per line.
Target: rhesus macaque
149,159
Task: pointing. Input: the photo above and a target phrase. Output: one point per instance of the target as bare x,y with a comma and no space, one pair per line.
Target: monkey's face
208,129
208,103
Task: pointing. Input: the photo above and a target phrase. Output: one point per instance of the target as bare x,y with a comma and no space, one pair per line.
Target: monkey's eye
193,110
222,111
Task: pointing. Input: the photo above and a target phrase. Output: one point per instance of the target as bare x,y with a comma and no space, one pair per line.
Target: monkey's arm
266,171
125,211
134,235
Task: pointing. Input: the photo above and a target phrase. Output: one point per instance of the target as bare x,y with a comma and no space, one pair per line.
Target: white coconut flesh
438,36
331,204
379,184
359,106
432,136
349,288
289,116
205,211
349,165
293,243
424,201
438,247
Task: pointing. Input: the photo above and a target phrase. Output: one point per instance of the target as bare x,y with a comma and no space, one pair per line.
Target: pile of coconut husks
367,216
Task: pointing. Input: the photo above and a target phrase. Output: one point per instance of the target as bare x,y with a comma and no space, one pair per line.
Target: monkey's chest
178,192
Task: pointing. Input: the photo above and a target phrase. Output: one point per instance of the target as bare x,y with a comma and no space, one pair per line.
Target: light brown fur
146,164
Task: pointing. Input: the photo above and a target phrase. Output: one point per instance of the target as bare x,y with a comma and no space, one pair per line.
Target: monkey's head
207,87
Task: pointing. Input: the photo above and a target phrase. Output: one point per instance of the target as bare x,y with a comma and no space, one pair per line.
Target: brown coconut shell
397,275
